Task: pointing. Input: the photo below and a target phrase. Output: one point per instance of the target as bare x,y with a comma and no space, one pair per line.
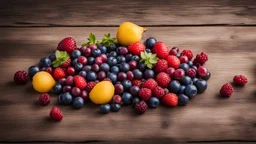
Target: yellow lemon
102,92
43,82
129,33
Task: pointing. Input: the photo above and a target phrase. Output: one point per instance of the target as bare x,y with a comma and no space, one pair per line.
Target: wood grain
207,117
114,12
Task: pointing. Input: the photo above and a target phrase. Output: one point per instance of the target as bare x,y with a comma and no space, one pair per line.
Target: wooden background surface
226,30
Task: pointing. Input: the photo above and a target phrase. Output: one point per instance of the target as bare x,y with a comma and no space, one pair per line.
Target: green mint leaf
92,38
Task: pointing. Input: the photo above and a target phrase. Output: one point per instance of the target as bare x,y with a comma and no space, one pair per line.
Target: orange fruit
102,92
43,82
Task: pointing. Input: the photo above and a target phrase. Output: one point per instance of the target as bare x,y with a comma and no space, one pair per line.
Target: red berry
145,94
240,80
136,48
66,64
119,88
84,95
191,72
179,74
170,99
163,79
99,60
158,92
137,83
174,51
141,107
49,70
161,50
56,114
59,73
187,53
67,44
117,99
202,71
130,75
173,61
226,90
75,91
87,52
133,65
20,77
104,58
183,59
161,66
170,71
44,99
82,60
200,59
150,84
90,86
80,82
71,71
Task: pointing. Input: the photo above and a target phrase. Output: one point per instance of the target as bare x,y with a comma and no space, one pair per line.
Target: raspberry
158,92
137,83
187,53
200,59
191,72
150,84
20,77
240,80
163,79
226,90
141,107
56,114
90,86
44,99
161,66
145,94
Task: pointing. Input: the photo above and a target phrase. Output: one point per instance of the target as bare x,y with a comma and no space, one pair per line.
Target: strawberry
161,50
136,48
68,44
240,80
145,94
163,79
158,92
80,82
66,64
59,73
161,66
170,99
62,59
150,84
56,114
173,61
187,53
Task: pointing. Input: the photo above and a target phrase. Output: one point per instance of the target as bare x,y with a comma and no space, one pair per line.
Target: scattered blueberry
174,86
127,98
183,100
150,42
87,68
127,84
184,66
114,69
124,67
137,74
201,85
149,73
82,73
112,77
91,76
57,88
104,67
134,90
186,80
91,60
78,103
102,48
115,107
45,62
153,102
135,100
112,61
32,71
105,108
75,54
78,67
66,98
190,91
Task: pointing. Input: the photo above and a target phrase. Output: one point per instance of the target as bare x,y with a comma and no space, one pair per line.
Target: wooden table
226,30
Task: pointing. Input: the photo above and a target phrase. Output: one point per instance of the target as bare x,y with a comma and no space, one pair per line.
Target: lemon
43,82
129,33
102,92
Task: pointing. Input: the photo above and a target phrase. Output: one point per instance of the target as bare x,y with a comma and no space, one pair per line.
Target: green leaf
56,63
152,61
149,65
142,55
57,53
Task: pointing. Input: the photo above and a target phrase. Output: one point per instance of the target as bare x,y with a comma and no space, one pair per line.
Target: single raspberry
80,82
200,59
90,86
44,99
163,79
66,64
191,72
141,107
137,83
56,114
187,53
158,92
20,77
240,80
161,66
150,84
226,90
145,94
170,99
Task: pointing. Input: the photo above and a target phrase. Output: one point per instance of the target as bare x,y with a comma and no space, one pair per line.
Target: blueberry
194,80
32,71
201,85
114,69
87,68
111,47
128,57
190,63
127,84
184,66
59,99
78,102
190,91
112,77
124,67
127,98
120,59
78,67
148,50
208,75
91,60
91,76
182,89
174,86
74,61
75,54
104,67
135,100
115,107
45,62
149,73
112,61
150,42
137,74
135,58
186,80
153,102
112,54
141,66
57,88
102,48
66,98
119,49
52,57
82,73
105,108
96,53
134,90
183,100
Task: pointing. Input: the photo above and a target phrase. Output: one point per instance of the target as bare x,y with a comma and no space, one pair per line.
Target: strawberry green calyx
61,57
148,59
91,40
106,41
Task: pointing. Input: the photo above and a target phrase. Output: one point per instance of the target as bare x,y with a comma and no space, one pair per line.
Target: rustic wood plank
206,118
105,13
